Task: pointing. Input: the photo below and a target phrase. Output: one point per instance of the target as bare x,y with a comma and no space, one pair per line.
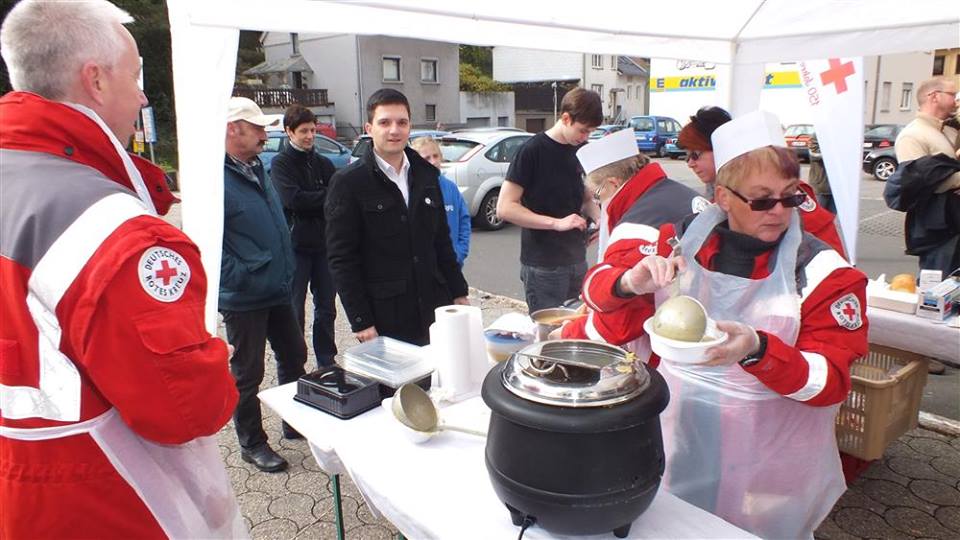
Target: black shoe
290,433
264,458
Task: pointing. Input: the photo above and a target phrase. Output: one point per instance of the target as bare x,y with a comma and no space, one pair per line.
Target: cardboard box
879,295
939,301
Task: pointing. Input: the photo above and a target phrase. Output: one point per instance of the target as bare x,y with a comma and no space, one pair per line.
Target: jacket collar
33,123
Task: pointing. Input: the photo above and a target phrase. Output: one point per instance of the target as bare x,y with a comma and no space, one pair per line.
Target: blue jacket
458,218
257,267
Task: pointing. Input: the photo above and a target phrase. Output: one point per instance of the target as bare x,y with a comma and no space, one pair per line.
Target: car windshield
799,129
272,144
881,132
454,150
641,124
597,133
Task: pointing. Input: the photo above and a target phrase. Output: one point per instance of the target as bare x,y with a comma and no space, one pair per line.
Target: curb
940,424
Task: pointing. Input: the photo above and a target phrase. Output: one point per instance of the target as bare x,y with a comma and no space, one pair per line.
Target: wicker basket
884,401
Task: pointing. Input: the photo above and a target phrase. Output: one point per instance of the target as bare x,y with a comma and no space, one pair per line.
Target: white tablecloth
440,489
911,333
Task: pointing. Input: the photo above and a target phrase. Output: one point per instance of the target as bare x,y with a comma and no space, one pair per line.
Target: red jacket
102,311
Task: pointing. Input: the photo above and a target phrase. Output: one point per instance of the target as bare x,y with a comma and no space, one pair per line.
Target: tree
472,80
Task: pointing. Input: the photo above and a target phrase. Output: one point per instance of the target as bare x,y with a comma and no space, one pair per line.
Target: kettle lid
574,373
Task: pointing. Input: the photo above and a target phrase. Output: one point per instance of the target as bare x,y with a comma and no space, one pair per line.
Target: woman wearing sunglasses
695,139
749,432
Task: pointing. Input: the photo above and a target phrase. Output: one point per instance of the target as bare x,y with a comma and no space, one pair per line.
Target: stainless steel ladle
413,408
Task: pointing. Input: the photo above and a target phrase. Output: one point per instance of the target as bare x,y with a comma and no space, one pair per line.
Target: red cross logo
849,310
837,75
165,272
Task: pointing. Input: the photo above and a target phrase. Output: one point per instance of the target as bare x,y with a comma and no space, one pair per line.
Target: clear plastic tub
389,361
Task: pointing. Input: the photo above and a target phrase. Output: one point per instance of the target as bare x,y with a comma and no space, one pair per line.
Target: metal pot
542,318
574,438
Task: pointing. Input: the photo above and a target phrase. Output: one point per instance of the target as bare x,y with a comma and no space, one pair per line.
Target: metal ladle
413,408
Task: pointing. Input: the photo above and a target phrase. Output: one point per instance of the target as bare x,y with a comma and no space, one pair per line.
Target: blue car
323,145
653,132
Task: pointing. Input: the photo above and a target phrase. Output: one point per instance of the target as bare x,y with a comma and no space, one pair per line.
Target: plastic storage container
884,401
337,392
390,362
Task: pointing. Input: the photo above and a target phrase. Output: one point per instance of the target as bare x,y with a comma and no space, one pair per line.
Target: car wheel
884,168
662,151
487,217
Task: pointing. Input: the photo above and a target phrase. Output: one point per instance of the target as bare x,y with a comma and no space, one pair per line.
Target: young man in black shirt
544,193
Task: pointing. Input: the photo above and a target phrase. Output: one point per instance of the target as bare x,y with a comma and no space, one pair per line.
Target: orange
903,282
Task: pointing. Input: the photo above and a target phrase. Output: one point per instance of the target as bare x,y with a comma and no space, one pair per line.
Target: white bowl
684,352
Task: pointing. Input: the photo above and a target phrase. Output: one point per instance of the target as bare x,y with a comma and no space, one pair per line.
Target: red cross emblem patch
846,311
163,273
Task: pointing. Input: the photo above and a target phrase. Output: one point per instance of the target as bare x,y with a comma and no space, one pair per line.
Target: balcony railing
282,97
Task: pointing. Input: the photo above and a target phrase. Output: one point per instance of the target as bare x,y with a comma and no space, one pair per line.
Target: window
956,65
391,69
504,151
503,121
326,145
598,88
295,43
938,65
613,62
431,113
596,61
629,91
885,96
428,70
906,94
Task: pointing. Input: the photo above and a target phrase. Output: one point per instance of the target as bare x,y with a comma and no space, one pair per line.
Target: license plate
867,145
641,137
798,143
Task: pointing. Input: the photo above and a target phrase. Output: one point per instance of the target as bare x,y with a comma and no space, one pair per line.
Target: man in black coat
301,177
387,234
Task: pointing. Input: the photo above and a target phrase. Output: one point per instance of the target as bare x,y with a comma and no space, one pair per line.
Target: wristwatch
752,359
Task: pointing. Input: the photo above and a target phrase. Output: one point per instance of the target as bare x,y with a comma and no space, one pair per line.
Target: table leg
337,505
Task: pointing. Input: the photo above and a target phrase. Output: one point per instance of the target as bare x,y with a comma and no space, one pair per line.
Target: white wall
530,65
606,77
492,105
896,69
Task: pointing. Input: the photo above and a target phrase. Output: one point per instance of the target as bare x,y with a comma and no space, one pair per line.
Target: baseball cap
241,108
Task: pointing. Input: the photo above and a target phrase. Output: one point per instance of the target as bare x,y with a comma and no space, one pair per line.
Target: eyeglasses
954,94
597,192
694,155
762,205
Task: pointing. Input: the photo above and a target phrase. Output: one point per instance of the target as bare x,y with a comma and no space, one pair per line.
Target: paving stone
294,506
310,464
274,529
370,532
864,524
915,469
928,434
902,448
273,484
855,498
880,471
949,517
234,460
935,448
238,478
829,530
255,506
947,466
247,523
224,450
955,442
366,516
309,483
915,523
935,492
893,494
319,529
323,511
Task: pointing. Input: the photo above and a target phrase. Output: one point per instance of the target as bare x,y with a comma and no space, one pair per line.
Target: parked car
797,137
674,151
490,128
323,145
880,162
604,130
364,142
477,161
652,133
880,136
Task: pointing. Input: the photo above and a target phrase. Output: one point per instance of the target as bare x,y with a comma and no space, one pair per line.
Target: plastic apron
185,486
603,236
734,447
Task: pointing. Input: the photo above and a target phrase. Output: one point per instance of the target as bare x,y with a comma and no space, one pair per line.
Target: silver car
477,161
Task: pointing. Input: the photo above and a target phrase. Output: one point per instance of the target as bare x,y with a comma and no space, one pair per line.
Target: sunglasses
761,205
694,155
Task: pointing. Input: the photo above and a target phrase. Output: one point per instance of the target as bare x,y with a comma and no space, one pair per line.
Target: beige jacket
927,136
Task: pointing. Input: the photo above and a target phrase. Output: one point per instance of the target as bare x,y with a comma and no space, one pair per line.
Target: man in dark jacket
387,234
301,177
256,277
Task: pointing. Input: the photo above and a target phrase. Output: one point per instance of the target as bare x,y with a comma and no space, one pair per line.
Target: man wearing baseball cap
256,280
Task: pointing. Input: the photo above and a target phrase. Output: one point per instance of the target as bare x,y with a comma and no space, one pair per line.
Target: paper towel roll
450,347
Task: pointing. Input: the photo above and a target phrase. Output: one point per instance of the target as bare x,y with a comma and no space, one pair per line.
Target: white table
911,333
440,489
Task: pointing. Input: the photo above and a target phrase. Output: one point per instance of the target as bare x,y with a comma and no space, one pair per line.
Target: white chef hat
614,147
745,133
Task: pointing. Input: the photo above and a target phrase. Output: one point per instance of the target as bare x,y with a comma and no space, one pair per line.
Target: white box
939,301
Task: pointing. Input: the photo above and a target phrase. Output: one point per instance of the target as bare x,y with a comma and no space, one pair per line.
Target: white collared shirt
397,177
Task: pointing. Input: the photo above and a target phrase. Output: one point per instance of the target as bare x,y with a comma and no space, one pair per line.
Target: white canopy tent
743,33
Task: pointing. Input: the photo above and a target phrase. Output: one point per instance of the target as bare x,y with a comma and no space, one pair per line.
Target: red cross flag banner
834,88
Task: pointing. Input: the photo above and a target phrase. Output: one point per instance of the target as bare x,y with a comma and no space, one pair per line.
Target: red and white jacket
102,340
833,329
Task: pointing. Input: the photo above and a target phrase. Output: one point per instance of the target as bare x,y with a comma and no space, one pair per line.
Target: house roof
284,65
629,66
